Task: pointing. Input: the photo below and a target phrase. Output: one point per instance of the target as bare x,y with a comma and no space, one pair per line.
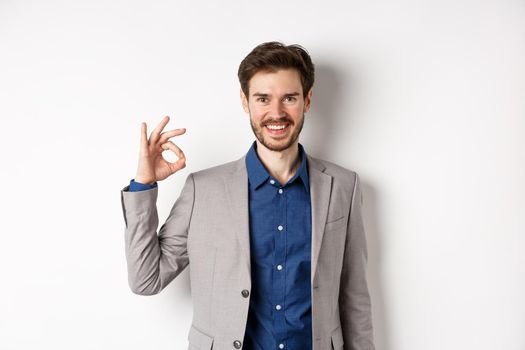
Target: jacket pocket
199,340
335,224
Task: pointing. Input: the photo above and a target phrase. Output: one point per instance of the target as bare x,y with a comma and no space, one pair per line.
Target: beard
280,145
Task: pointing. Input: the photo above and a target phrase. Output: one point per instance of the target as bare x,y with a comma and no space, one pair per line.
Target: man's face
276,107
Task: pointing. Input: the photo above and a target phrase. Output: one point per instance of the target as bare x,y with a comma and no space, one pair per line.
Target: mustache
277,121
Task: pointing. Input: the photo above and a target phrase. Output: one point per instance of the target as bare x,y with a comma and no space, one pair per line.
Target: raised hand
152,166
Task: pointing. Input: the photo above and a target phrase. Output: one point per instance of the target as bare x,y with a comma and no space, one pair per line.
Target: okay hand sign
152,166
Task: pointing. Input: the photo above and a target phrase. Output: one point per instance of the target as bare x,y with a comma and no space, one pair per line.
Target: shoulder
218,172
345,181
336,171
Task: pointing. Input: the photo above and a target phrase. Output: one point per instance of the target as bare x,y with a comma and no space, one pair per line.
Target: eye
261,99
290,98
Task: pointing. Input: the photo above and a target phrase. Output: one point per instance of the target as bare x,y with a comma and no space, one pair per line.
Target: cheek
257,112
296,110
255,117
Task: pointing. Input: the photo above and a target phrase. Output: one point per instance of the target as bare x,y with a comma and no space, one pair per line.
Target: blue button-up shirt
279,314
280,243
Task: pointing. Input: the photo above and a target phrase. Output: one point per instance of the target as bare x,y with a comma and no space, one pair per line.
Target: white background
424,99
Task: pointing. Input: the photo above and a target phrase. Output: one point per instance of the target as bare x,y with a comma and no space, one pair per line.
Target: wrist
144,181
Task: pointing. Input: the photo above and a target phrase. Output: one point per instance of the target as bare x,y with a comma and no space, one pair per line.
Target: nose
277,109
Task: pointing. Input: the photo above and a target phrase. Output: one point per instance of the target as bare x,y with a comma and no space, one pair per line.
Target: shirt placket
279,266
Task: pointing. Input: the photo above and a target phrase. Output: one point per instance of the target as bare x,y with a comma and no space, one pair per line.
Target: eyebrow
266,95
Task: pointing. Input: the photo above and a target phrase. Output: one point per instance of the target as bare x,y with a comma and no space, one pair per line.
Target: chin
277,146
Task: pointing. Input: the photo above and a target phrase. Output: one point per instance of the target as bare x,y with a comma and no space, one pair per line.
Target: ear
308,100
244,101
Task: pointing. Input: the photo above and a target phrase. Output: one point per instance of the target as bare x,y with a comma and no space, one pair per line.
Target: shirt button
272,181
280,190
278,307
245,293
281,346
279,267
237,344
280,228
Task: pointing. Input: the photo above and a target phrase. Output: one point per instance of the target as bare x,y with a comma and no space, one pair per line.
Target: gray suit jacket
208,230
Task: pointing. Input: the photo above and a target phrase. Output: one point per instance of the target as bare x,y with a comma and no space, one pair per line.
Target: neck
281,165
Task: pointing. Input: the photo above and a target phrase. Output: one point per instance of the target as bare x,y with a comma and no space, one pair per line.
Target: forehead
281,80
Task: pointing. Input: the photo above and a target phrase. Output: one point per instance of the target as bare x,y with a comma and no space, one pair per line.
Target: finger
169,134
156,132
174,148
143,135
181,162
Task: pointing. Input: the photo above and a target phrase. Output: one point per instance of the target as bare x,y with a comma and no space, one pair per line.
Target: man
274,240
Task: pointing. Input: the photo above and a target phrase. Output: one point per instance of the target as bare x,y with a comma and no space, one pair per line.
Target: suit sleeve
153,261
354,298
138,186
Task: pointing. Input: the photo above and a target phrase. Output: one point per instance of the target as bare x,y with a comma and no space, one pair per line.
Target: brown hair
271,56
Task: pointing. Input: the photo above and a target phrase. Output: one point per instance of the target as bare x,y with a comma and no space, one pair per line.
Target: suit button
245,293
237,344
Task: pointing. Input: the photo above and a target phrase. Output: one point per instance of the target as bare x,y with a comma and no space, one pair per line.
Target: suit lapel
236,186
320,190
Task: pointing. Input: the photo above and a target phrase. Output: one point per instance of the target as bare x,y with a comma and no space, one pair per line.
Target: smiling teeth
276,127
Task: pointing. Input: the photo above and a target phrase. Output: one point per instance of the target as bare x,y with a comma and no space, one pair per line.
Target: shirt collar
257,173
